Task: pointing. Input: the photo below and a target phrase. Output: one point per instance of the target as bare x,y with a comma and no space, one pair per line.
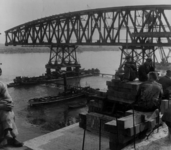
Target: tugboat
69,93
61,97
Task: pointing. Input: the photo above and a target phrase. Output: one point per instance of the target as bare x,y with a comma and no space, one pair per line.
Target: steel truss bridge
138,30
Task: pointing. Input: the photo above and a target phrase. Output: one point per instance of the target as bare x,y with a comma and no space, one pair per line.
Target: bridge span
130,25
134,28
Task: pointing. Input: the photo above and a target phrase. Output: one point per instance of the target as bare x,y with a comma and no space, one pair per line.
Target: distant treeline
20,49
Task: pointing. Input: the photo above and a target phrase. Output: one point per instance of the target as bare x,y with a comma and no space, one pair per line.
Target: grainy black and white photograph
85,74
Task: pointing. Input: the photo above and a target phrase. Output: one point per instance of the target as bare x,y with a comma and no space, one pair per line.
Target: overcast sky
16,12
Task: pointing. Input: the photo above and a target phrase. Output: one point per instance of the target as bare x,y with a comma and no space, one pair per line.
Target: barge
53,78
70,93
54,99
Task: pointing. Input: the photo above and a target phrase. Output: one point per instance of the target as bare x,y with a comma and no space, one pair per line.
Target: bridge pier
138,53
62,58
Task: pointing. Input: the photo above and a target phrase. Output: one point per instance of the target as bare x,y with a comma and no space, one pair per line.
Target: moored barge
69,94
26,81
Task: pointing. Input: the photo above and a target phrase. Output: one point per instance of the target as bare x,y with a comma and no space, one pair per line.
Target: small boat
71,93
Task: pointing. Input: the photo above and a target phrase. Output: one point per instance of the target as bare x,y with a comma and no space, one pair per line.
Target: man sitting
8,129
149,94
128,70
166,83
145,69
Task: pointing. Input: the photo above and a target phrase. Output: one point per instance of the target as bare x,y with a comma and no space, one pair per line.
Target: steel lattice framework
63,57
135,28
107,26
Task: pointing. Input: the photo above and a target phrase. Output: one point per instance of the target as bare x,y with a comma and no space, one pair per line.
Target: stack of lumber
122,91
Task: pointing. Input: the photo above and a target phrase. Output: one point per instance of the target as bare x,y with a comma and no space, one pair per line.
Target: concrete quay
68,138
71,138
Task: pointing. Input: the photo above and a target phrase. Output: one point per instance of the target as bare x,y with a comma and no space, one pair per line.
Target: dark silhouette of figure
165,81
128,70
149,94
145,69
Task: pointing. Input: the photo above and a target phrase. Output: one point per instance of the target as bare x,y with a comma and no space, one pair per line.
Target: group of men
152,89
128,70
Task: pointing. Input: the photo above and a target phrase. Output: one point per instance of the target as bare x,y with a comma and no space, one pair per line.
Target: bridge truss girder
132,25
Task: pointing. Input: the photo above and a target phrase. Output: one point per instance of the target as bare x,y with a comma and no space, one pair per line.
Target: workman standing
8,128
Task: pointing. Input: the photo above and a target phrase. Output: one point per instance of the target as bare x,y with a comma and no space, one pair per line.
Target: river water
49,118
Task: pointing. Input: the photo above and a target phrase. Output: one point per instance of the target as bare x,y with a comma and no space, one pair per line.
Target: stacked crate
165,104
122,91
95,106
96,121
123,130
